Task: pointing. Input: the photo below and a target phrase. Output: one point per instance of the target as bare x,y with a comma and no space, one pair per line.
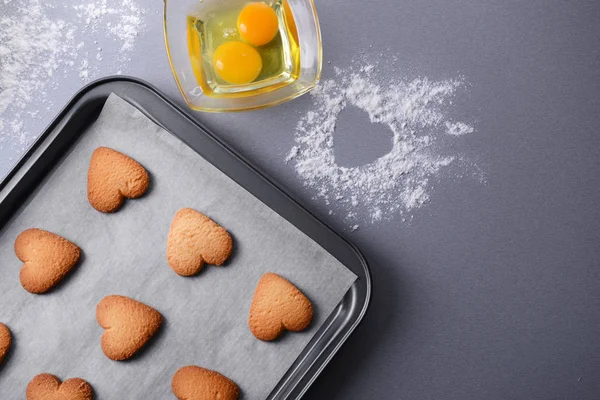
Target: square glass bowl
176,16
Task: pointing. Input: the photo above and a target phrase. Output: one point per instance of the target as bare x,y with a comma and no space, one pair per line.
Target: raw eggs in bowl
238,54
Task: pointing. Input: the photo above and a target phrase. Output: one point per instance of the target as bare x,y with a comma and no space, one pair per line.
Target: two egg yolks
239,62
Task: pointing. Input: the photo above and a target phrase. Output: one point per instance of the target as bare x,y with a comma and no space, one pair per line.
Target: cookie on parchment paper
195,239
196,383
277,306
112,177
5,341
47,259
49,387
128,324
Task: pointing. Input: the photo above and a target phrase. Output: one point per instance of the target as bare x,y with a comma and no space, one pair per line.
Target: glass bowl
176,14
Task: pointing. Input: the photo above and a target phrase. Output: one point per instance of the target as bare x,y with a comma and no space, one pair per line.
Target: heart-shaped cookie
49,387
5,341
112,177
196,383
47,258
277,306
195,239
128,325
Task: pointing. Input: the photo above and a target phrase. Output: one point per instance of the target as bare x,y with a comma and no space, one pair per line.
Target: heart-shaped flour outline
193,382
417,114
128,326
113,177
49,387
47,259
278,306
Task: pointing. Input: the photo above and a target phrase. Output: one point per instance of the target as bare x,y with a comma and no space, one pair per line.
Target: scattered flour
128,27
125,19
84,73
415,111
458,128
32,48
37,43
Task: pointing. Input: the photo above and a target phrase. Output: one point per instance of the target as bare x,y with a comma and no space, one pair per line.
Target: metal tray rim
10,176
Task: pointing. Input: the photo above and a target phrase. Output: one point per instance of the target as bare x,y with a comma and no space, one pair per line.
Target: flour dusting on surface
38,45
124,27
417,112
32,48
458,128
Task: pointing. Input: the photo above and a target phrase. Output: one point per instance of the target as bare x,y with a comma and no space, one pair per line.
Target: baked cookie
112,177
5,341
195,383
49,387
47,258
128,325
195,239
277,306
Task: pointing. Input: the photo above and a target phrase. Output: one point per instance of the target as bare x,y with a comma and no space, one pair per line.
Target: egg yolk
258,24
237,62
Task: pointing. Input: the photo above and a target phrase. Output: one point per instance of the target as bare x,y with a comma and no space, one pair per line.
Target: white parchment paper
124,253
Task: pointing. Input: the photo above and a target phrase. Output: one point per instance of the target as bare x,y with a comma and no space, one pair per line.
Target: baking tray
85,107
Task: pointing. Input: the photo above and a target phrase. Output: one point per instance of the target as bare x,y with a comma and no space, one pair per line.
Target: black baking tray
84,108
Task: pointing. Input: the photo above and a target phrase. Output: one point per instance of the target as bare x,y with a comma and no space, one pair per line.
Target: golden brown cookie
5,341
49,387
112,177
195,383
128,325
277,306
195,239
47,258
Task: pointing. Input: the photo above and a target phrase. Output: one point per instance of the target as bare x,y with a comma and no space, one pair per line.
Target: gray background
491,291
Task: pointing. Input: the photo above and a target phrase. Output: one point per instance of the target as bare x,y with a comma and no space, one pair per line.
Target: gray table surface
491,291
